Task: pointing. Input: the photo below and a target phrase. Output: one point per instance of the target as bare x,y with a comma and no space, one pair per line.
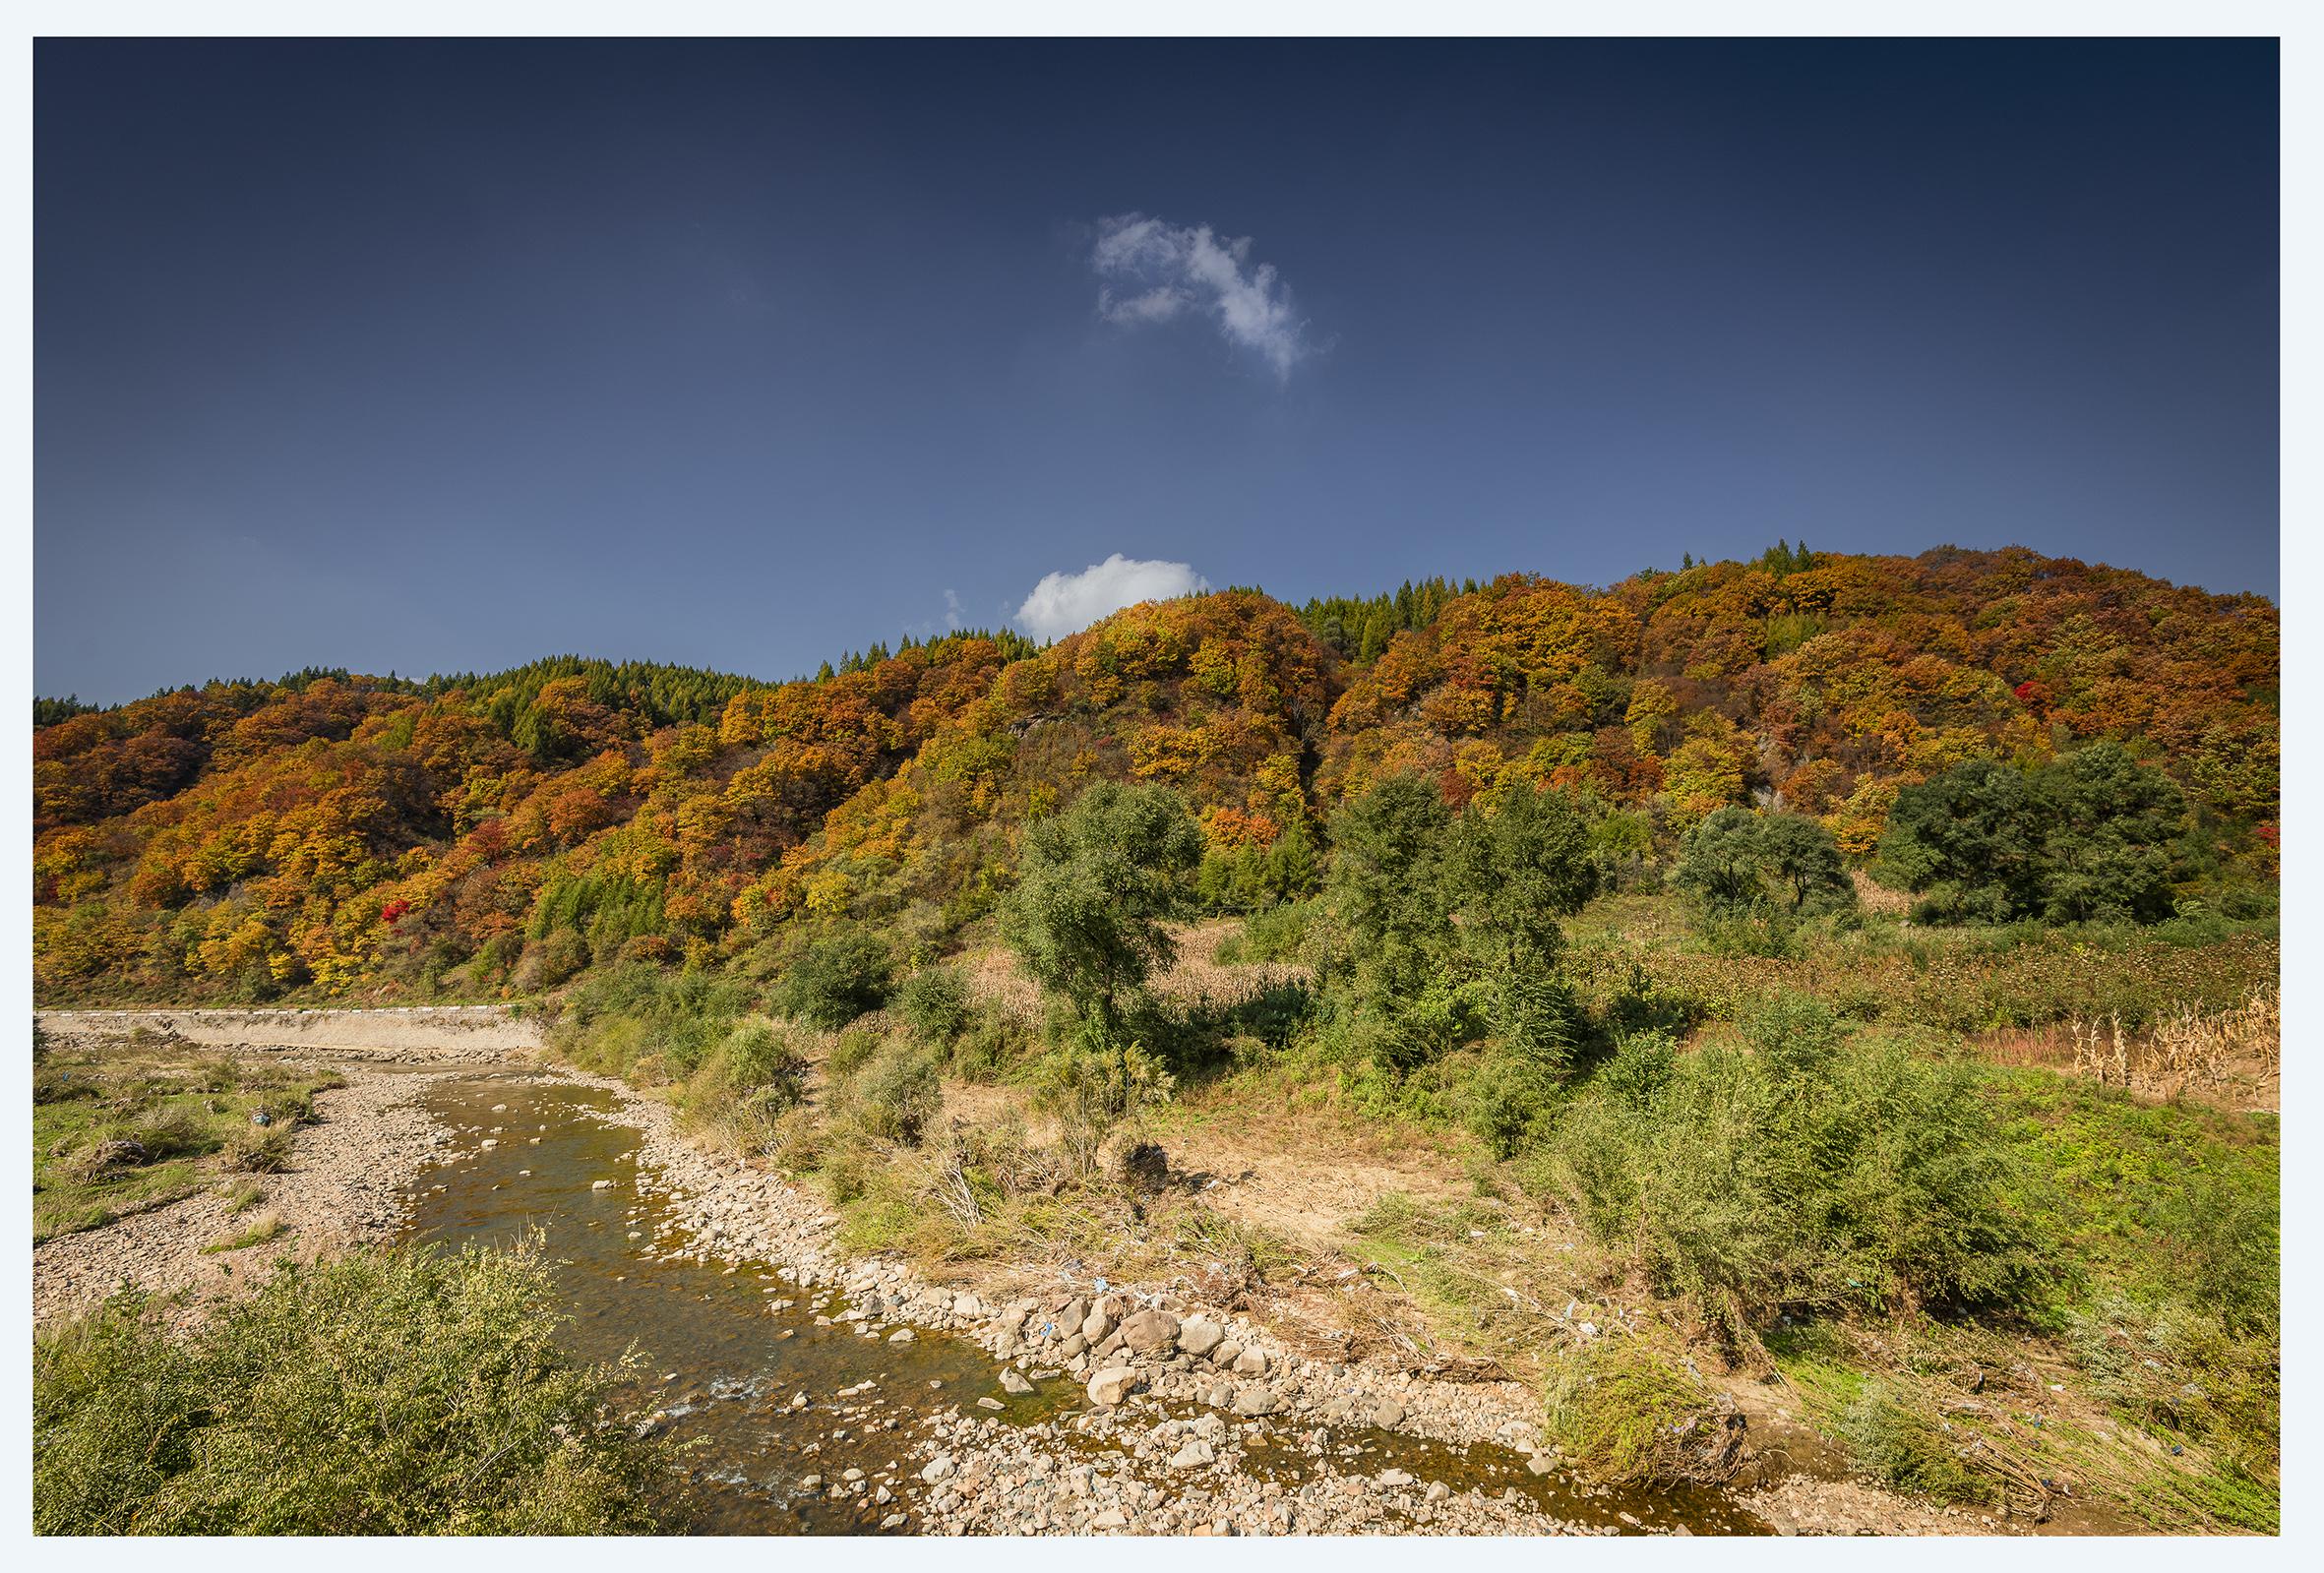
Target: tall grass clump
1804,1171
743,1087
395,1392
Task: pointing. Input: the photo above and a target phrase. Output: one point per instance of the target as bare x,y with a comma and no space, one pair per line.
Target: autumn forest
331,836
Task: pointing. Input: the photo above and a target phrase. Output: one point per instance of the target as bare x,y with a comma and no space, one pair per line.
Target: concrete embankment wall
418,1030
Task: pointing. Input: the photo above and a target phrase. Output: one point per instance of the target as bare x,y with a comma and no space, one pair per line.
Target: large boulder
1112,1386
1149,1332
1198,1338
1251,1362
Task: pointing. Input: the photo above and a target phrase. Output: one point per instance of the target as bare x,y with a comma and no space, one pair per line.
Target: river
779,1397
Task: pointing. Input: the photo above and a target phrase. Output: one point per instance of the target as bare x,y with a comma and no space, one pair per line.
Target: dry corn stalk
2188,1049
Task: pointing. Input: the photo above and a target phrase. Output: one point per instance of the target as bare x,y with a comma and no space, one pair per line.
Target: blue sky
444,356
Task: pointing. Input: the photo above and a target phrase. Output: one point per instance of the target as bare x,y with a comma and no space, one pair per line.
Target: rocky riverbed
1188,1418
1105,1407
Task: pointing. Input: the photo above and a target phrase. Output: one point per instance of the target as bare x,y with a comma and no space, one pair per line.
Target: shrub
898,1094
564,956
934,1003
621,1013
391,1392
2088,836
1278,933
1814,1172
757,1060
258,1149
1628,1415
835,981
1444,925
851,1051
1091,1090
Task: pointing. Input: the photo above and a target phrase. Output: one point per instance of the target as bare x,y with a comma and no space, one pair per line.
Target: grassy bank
391,1392
152,1118
2004,1285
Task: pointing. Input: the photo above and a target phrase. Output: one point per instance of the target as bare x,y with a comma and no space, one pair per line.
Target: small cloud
1166,270
1066,603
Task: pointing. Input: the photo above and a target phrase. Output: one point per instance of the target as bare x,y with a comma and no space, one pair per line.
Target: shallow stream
727,1361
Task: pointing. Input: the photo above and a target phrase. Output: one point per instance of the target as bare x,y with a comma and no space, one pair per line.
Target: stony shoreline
1179,1393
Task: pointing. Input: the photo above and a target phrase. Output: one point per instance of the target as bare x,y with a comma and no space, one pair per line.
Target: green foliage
1279,934
1628,1415
1092,1090
2108,828
1251,879
835,981
605,909
1093,884
898,1094
639,1020
1814,1172
934,1003
385,1393
1446,924
2090,836
1741,864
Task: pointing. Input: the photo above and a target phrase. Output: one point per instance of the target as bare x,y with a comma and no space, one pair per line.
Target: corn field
2185,1050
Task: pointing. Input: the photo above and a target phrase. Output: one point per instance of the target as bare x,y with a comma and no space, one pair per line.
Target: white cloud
1165,271
1066,603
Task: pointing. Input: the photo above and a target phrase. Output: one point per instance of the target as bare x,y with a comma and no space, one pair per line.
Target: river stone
1072,1347
1541,1463
1198,1338
1226,1353
1096,1325
1388,1414
1394,1478
1072,1313
1010,1382
965,1305
1251,1362
1256,1400
940,1467
1112,1386
1149,1332
1194,1455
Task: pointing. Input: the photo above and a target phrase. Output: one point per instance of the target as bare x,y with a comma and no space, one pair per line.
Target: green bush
934,1003
620,1015
1738,864
757,1061
835,981
1279,934
898,1094
851,1050
2088,836
391,1392
1813,1171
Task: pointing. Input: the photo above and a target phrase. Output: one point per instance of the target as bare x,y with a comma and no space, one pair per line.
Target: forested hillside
339,835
